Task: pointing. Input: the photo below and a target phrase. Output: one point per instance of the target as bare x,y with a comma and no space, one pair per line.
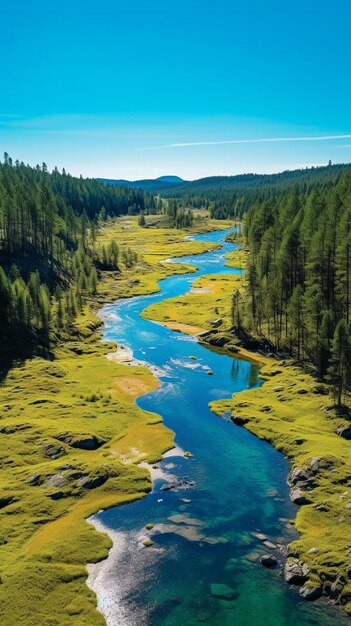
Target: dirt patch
132,386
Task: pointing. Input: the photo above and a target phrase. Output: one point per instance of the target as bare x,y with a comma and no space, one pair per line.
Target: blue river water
203,567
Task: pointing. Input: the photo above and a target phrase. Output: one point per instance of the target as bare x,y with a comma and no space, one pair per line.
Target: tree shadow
15,350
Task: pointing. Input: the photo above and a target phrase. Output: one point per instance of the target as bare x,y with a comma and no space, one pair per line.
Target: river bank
66,426
169,510
296,415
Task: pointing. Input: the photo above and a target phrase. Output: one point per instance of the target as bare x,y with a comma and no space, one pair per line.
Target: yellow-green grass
237,258
48,485
291,411
153,246
209,300
48,408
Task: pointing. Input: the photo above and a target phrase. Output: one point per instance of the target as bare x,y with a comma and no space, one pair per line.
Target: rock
309,592
53,452
216,323
55,480
179,518
6,500
268,560
344,432
253,556
91,482
299,474
295,572
218,342
269,545
222,591
232,348
239,421
35,480
297,497
260,536
313,551
206,333
57,495
324,508
337,587
82,442
148,543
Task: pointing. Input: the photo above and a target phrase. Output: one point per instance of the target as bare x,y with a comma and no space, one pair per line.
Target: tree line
298,288
49,261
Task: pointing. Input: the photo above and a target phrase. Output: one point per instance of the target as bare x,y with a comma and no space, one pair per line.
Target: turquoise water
237,487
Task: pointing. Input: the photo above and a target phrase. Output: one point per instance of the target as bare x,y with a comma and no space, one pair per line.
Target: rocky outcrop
298,497
310,592
91,482
268,560
218,341
83,442
295,572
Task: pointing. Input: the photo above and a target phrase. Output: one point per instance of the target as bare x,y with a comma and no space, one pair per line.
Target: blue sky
117,88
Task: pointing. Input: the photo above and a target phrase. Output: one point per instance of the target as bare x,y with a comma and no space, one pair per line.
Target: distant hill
216,187
154,185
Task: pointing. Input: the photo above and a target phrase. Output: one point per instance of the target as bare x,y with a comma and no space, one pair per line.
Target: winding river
204,564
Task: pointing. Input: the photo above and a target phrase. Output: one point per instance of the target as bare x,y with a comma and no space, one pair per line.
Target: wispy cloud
191,144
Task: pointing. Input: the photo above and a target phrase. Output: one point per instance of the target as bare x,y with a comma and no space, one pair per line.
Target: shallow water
240,488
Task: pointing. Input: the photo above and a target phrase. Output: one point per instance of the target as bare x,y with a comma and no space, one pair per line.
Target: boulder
260,536
269,545
82,442
239,421
297,497
295,572
268,560
299,474
216,323
91,482
309,592
218,342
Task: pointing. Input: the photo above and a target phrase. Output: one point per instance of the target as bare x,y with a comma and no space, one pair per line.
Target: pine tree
340,368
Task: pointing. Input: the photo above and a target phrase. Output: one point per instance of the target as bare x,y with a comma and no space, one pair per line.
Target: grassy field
295,414
209,299
71,441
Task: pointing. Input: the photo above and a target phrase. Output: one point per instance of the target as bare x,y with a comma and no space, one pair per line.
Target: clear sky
111,88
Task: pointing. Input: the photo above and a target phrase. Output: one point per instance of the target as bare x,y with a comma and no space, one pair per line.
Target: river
203,567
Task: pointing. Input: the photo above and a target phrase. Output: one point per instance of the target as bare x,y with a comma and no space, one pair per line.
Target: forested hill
48,260
298,293
231,196
234,194
153,185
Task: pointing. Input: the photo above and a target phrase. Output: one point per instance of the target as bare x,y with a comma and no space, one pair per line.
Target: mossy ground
71,441
290,412
209,299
